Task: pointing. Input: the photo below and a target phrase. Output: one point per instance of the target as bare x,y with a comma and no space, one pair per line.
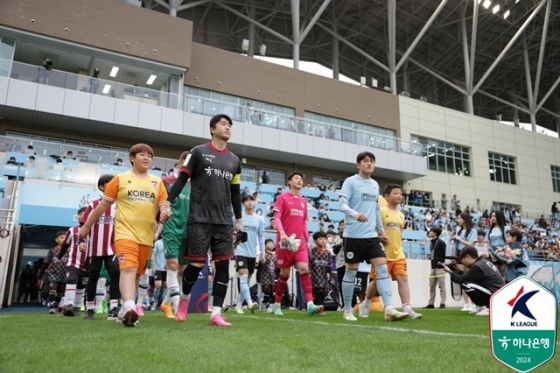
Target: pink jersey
101,236
292,212
74,257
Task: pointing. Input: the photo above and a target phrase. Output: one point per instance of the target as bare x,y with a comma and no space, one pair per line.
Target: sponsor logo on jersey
296,212
369,197
141,195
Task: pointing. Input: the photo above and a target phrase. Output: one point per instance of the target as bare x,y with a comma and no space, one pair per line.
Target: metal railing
205,106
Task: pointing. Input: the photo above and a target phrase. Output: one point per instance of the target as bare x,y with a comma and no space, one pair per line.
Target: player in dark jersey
215,175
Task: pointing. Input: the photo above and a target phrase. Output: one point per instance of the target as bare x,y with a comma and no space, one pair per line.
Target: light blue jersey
254,226
471,237
159,250
359,196
494,236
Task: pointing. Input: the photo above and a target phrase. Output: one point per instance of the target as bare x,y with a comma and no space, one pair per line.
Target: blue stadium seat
32,172
335,216
312,213
70,162
113,169
266,198
20,157
270,188
13,170
264,209
252,186
312,226
333,205
311,193
411,235
334,196
3,184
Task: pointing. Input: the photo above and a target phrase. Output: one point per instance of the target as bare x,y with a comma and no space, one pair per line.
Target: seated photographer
481,279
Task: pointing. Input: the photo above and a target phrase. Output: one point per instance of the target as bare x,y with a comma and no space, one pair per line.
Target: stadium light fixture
114,71
151,79
106,89
486,4
496,9
262,49
506,14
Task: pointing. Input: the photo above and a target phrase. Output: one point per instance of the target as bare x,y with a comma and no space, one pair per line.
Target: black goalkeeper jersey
212,172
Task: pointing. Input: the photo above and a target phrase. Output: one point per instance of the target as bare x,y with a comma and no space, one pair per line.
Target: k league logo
519,306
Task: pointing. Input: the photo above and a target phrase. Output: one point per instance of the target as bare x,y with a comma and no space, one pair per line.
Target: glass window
443,156
555,173
6,55
249,174
277,177
502,168
325,180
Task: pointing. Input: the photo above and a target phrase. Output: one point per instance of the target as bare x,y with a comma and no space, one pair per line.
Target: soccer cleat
465,308
253,307
362,310
113,315
89,315
394,315
182,310
483,311
82,308
429,306
140,310
278,311
239,309
312,309
154,306
99,310
412,314
130,318
475,310
349,316
442,306
105,307
69,311
52,311
167,310
218,320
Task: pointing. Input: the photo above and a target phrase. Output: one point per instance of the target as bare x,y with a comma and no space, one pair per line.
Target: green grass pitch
443,341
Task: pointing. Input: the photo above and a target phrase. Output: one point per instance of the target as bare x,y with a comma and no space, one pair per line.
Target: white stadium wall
534,154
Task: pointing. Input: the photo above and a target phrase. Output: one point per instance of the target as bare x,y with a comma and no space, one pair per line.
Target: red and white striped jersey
74,257
101,240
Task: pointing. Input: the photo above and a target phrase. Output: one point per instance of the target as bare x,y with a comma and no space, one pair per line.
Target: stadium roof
511,64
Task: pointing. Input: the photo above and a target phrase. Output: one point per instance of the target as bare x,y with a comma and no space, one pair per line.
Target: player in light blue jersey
363,235
246,252
158,269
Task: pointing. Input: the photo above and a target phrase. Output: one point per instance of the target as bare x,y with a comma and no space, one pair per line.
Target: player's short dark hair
60,233
82,209
389,188
268,240
514,232
318,235
470,251
294,174
331,225
140,148
104,179
481,232
218,117
363,156
436,230
247,197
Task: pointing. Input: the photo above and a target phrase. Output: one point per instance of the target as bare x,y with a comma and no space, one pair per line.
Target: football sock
173,290
221,279
367,302
245,293
157,291
69,294
348,288
78,298
189,278
142,290
280,287
128,305
113,303
384,285
216,311
90,306
307,287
